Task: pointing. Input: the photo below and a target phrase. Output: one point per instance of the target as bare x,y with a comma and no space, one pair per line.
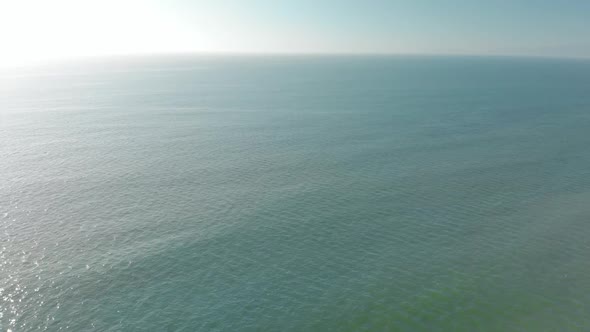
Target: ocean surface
295,193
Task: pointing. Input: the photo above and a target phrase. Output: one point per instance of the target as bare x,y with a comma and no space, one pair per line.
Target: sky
39,30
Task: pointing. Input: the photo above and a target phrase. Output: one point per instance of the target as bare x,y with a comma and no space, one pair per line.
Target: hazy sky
33,30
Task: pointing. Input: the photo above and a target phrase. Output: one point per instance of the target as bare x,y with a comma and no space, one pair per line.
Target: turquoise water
296,194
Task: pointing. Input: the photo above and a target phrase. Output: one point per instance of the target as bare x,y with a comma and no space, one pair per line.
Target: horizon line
78,58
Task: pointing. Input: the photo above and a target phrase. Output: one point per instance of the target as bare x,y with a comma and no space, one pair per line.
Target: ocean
295,193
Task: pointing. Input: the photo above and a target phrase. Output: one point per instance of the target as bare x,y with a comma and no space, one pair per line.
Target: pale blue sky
536,27
60,28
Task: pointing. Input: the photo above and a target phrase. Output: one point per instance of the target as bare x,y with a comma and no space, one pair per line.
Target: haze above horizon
36,30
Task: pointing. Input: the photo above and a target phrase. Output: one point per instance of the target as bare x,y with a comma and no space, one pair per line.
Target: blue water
295,193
